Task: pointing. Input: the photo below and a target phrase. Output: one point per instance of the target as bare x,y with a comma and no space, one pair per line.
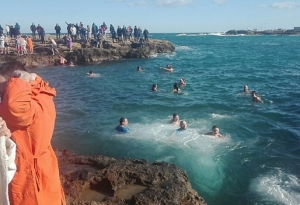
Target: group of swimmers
123,122
254,95
215,131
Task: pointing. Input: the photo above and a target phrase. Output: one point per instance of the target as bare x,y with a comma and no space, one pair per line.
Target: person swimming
139,68
255,97
90,73
154,87
215,131
246,89
71,64
182,82
175,88
123,122
183,126
169,68
62,60
175,119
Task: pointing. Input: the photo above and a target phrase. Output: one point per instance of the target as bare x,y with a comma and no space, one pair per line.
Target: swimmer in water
154,87
215,131
62,61
183,126
90,73
71,64
246,89
175,119
139,68
255,97
122,126
169,68
182,82
175,88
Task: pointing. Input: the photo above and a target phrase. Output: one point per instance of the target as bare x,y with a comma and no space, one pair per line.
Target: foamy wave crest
160,138
217,116
278,187
183,48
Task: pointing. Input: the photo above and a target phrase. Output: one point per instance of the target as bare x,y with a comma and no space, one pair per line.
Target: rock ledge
100,180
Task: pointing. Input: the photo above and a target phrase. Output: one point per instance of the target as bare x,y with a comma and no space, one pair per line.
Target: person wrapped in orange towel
29,45
27,107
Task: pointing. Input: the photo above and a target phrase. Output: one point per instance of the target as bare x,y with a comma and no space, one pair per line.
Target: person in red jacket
27,107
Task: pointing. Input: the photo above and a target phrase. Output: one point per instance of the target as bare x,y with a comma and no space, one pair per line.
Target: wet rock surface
100,180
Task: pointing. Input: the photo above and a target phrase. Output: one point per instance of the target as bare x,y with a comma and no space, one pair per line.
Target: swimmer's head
183,125
175,86
154,87
175,117
123,121
253,93
215,130
139,68
246,89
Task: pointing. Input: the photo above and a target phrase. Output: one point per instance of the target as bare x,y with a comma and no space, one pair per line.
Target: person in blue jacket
122,126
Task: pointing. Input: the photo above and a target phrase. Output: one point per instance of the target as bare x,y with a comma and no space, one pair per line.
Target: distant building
297,29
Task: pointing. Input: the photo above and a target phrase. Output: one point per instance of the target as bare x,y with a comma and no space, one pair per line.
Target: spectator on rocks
146,33
73,32
113,33
95,30
6,45
7,29
43,35
57,30
104,28
39,30
27,107
54,46
18,44
135,34
33,30
83,34
119,32
88,32
129,33
69,25
139,33
29,45
1,30
12,31
17,29
77,31
2,40
124,33
23,46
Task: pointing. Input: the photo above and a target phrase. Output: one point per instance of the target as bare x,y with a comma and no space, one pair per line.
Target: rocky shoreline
100,180
84,54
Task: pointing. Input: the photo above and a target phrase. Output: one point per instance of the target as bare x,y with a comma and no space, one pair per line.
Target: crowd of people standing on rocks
93,36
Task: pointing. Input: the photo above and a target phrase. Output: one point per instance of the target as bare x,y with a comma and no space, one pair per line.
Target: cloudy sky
158,16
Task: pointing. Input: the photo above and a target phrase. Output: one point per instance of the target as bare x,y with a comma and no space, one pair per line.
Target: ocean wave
277,187
183,48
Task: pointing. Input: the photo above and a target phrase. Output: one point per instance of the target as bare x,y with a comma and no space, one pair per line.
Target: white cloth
7,168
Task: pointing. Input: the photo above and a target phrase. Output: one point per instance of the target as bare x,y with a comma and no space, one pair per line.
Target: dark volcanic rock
83,54
100,180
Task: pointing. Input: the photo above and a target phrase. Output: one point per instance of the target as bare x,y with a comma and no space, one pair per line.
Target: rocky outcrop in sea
83,54
100,180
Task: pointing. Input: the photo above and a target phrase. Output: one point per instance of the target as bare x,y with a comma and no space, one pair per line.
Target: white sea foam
202,151
183,48
218,116
94,75
278,186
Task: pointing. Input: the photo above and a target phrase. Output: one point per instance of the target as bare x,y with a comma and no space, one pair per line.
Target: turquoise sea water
258,159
